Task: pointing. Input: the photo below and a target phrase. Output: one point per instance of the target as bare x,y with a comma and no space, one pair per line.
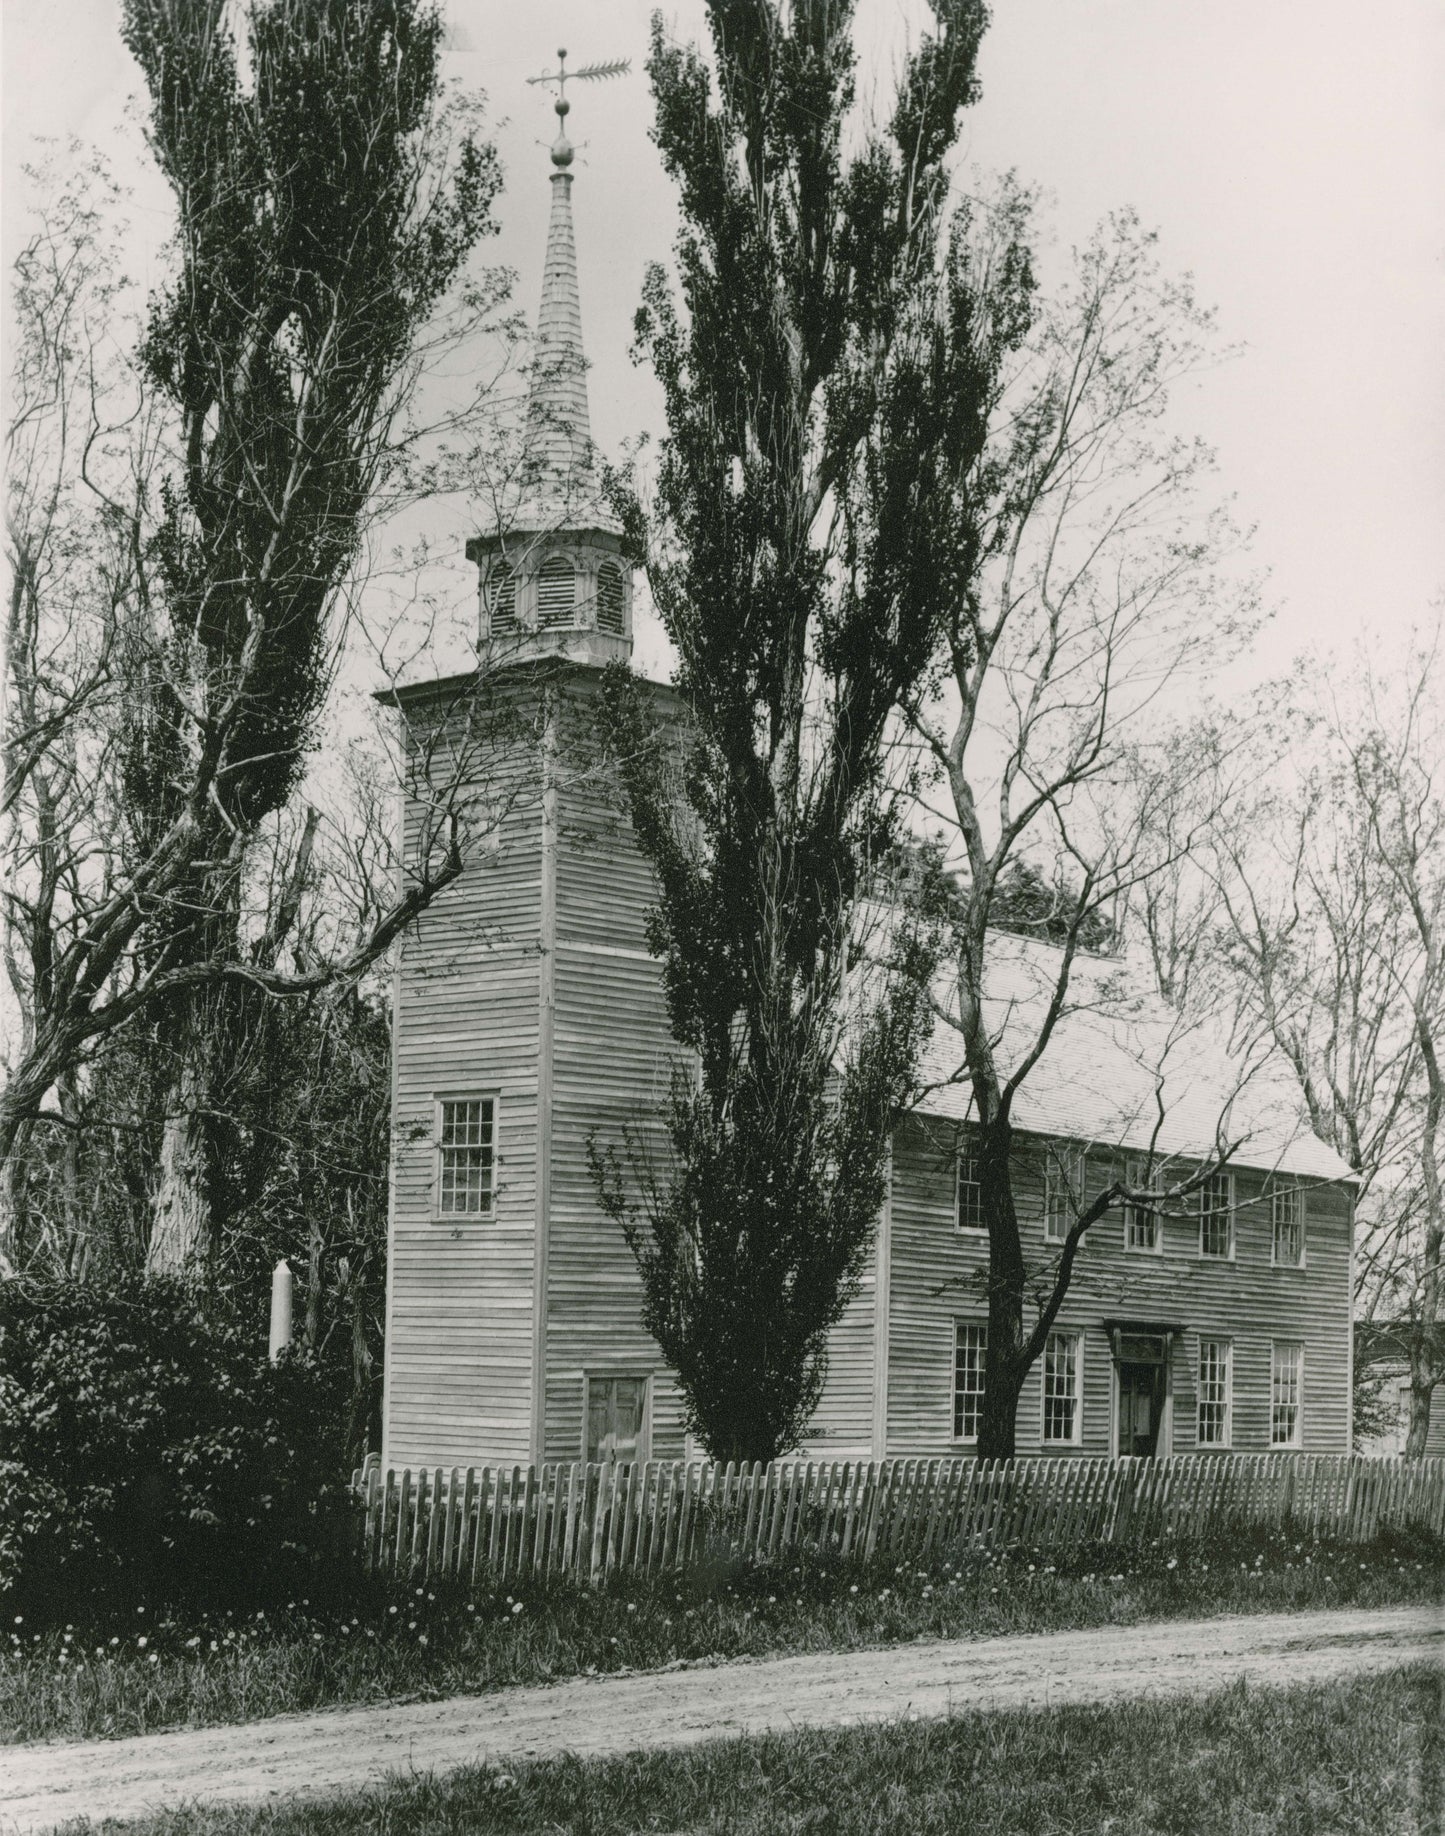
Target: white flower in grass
141,1643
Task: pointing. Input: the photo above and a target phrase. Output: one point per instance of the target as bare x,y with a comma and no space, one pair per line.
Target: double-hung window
1287,1220
1063,1360
968,1198
1216,1216
1216,1392
1063,1188
1286,1392
466,1156
1141,1219
969,1346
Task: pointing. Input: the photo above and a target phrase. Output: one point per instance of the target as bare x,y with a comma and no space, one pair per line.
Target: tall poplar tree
327,197
827,372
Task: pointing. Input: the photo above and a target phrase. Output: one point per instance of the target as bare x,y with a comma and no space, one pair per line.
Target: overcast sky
1291,153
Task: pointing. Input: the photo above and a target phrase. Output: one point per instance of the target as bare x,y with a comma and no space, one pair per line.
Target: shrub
150,1452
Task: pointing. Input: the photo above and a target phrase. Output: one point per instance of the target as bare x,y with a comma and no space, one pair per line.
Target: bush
150,1452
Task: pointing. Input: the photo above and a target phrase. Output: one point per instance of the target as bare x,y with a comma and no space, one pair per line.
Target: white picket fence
597,1520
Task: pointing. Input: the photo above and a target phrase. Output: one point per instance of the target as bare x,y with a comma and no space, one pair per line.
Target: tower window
556,593
466,1153
609,598
502,598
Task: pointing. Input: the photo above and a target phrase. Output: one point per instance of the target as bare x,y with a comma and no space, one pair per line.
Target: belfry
552,579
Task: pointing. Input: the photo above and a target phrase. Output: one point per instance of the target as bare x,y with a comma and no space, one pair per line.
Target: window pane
1286,1383
1061,1386
970,1194
1214,1392
1288,1213
1216,1216
1063,1189
1141,1222
465,1154
968,1380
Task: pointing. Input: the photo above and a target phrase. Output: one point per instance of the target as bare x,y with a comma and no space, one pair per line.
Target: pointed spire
561,488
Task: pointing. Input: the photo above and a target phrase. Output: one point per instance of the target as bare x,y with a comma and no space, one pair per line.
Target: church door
1141,1407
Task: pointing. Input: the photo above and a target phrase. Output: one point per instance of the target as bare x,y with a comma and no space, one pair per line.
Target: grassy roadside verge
151,1672
1364,1757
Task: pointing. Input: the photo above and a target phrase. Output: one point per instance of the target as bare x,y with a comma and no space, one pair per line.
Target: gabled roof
1123,1069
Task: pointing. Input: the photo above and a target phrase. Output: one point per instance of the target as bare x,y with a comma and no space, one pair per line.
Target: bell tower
552,578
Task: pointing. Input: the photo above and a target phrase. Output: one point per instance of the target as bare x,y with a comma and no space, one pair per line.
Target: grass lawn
151,1671
1360,1758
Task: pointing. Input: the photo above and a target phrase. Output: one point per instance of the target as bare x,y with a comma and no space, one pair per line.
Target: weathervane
562,76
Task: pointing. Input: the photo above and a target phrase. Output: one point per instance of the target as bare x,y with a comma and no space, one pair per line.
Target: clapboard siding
842,1427
538,955
612,1064
458,1372
937,1275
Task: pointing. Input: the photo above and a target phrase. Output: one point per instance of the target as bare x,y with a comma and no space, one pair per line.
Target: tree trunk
181,1226
1004,1368
1422,1387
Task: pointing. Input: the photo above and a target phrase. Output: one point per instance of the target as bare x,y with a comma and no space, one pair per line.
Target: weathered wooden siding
458,1380
937,1277
612,1064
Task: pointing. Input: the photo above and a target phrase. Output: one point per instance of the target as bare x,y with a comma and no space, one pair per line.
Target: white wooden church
529,1014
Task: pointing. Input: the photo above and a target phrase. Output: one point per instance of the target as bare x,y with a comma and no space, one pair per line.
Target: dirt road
298,1755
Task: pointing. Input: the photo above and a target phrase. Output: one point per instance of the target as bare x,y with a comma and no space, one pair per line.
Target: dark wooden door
1141,1404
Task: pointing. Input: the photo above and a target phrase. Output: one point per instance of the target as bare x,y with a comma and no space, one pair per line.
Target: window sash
969,1349
1286,1392
1214,1424
1287,1227
968,1194
1064,1178
1142,1223
1216,1217
1061,1387
466,1152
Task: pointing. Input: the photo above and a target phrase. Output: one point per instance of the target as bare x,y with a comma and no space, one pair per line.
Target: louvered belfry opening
502,598
556,593
609,599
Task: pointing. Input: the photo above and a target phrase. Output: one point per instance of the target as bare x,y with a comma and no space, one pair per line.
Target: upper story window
609,598
1141,1220
466,1156
1216,1216
502,598
1063,1188
968,1199
556,593
1287,1220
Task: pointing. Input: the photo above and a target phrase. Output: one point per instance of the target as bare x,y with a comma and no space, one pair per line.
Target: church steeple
553,581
